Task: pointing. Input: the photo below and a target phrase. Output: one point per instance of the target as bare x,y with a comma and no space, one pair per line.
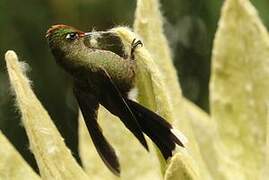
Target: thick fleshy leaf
54,159
207,136
151,90
12,165
239,91
180,167
149,25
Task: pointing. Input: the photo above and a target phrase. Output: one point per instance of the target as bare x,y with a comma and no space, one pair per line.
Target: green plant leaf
149,25
180,168
151,90
239,91
54,159
12,165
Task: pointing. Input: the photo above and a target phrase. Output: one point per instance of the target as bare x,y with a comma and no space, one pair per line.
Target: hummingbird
103,73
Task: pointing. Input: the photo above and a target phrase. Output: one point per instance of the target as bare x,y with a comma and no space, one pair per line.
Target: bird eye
71,36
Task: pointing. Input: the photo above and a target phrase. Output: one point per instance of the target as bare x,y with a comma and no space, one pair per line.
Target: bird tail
156,128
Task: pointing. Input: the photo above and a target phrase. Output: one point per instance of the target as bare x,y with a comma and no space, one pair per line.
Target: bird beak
94,33
87,34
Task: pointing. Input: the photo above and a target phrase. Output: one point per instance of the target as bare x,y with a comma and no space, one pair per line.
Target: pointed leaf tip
10,54
54,159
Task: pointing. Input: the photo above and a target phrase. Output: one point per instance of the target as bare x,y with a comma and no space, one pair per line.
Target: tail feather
156,128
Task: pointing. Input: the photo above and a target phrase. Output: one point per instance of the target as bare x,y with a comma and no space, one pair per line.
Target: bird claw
135,43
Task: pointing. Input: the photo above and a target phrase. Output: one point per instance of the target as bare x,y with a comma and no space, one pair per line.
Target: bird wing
108,41
113,101
89,106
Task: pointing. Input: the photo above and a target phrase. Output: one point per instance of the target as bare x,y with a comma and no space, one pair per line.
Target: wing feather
89,106
114,101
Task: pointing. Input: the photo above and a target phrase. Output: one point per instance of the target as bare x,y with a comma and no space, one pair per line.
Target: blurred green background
190,26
